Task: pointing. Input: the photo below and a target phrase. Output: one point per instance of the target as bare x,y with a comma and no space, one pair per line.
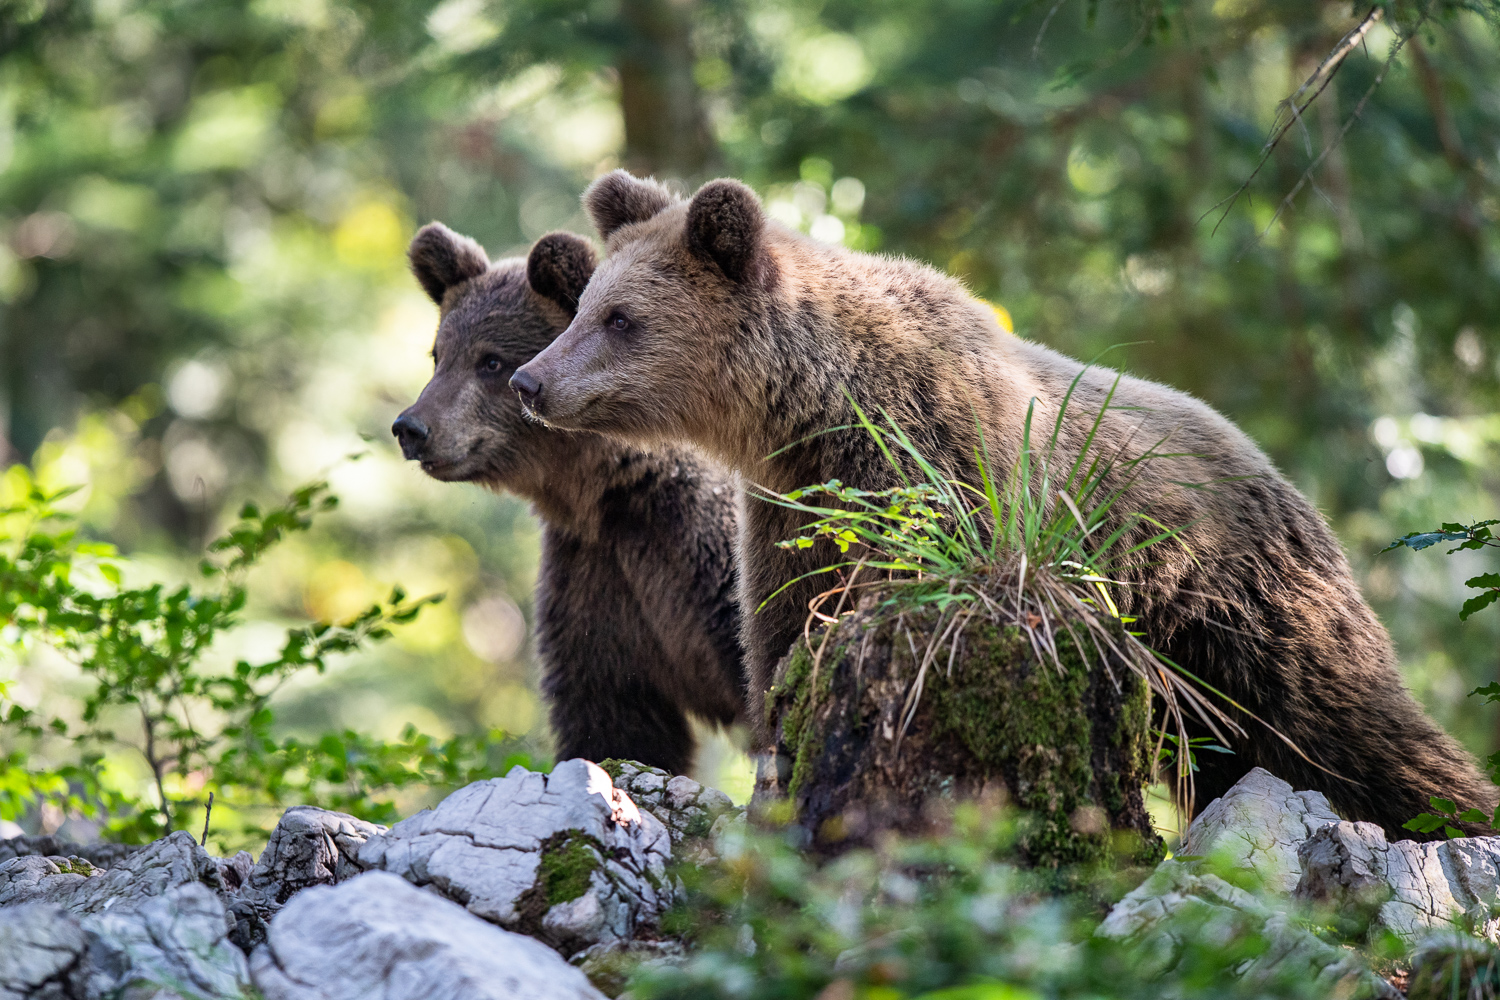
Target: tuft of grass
1041,547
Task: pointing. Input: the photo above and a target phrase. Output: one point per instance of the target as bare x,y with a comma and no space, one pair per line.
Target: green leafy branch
142,649
1469,536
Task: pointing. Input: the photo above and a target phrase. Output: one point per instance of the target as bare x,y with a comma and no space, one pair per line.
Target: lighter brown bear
712,324
637,621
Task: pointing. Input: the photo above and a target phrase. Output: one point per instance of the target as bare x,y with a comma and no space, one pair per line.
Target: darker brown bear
710,323
636,606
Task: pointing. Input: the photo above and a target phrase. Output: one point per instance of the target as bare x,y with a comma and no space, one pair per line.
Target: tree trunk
1069,747
666,129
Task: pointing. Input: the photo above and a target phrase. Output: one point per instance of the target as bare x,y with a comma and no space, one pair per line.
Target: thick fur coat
712,324
637,616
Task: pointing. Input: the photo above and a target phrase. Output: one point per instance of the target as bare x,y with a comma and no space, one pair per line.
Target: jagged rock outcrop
565,857
308,847
1293,849
1178,905
48,846
378,936
686,808
1257,827
154,925
1414,888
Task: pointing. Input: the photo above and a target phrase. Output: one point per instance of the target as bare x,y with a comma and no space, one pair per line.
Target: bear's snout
412,433
529,388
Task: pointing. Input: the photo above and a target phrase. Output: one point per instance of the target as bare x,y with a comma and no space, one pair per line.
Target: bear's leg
598,653
625,720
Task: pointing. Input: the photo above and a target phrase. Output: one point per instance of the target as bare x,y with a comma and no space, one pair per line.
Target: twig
1036,47
1293,106
208,811
1359,108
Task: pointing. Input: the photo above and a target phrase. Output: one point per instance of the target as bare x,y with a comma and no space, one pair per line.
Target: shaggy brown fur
711,324
636,608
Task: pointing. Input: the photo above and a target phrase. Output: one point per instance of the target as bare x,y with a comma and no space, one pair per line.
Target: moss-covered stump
1069,747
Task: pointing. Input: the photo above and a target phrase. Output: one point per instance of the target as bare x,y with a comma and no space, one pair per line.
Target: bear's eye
491,363
618,323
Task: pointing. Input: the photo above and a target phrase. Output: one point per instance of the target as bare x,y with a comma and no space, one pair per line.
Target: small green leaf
1423,823
1472,816
1478,603
1447,806
1452,832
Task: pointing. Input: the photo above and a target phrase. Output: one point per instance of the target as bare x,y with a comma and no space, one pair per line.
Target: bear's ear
725,225
559,267
618,199
440,258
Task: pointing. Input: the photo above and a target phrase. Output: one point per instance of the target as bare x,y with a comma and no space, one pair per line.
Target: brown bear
637,619
710,323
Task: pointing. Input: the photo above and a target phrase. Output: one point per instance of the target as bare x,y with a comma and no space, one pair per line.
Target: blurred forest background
204,208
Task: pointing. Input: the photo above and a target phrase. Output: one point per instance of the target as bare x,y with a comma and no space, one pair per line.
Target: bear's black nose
412,434
528,386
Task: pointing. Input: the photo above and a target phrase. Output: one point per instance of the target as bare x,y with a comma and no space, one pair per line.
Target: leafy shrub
1469,537
935,919
1042,547
142,648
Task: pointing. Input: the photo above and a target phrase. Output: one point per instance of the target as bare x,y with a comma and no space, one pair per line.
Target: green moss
699,825
569,859
74,866
614,767
1028,718
799,721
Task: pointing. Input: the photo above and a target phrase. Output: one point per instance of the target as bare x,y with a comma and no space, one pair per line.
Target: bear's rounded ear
440,258
559,267
618,199
725,225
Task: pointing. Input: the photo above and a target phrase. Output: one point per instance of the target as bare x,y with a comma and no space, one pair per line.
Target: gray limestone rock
40,943
686,808
1177,905
378,936
1416,887
310,846
154,925
50,846
565,857
1257,826
82,888
174,944
1254,834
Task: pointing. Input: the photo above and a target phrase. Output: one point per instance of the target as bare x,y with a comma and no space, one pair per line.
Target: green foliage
1169,743
1444,811
142,651
1039,549
1049,510
1469,536
930,919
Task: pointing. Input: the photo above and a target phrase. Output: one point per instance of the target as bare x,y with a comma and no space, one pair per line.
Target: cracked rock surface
378,936
310,846
565,857
1177,903
152,926
1258,826
1418,887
